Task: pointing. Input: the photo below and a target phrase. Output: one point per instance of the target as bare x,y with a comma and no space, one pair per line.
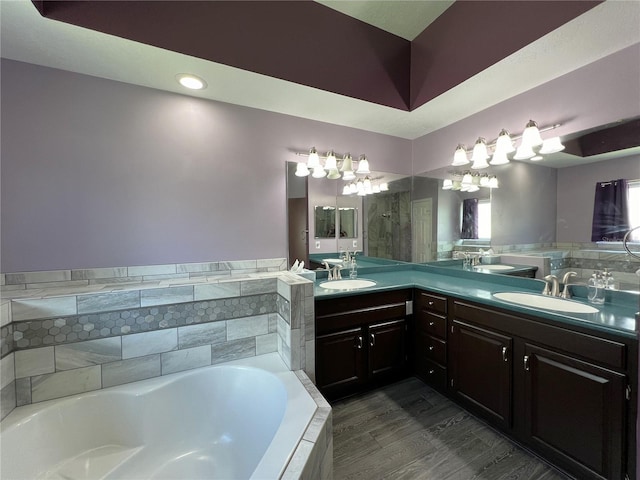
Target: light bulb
524,152
333,174
499,158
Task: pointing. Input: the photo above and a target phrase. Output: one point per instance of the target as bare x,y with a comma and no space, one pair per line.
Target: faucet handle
568,276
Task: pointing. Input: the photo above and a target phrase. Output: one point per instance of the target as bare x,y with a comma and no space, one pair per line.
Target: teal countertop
616,316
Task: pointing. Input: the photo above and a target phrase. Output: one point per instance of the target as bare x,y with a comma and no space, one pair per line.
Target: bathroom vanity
562,385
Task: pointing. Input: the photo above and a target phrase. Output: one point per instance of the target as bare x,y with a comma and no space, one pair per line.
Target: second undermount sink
545,302
351,284
493,267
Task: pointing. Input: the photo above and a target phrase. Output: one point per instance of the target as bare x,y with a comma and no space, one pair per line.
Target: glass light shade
363,165
467,179
551,145
504,143
475,179
473,188
531,135
499,158
302,170
457,185
331,162
346,190
360,188
524,153
368,188
447,184
384,187
353,188
348,175
460,156
493,182
480,155
484,181
314,159
347,164
333,174
319,172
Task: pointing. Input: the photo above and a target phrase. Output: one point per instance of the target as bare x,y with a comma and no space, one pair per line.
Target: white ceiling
601,31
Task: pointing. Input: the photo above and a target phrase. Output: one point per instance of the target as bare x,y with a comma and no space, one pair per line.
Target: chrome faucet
551,281
565,280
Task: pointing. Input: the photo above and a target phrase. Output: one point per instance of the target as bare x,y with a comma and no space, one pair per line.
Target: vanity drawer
431,323
433,303
432,373
435,349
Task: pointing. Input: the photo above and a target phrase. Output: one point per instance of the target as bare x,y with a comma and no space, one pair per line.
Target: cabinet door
339,362
481,370
387,349
575,413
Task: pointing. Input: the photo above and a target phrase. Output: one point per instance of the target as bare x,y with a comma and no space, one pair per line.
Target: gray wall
523,207
576,191
97,173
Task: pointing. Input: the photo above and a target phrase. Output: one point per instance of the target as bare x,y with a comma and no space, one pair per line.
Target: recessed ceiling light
191,81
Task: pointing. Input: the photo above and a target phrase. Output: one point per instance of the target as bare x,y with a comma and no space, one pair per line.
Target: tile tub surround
241,317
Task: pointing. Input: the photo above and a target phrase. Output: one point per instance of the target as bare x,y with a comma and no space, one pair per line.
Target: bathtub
236,420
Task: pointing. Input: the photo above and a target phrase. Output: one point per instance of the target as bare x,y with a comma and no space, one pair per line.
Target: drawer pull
526,362
372,340
358,343
430,303
431,348
504,354
431,324
431,371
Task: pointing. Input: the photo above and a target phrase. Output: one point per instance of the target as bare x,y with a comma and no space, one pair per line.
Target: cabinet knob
431,348
431,371
431,324
430,303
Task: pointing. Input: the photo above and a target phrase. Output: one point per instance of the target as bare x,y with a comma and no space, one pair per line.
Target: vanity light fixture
332,166
531,145
192,82
302,170
469,181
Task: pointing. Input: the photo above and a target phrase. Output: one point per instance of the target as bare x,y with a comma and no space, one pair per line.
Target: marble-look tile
233,350
7,370
84,354
297,306
145,270
316,430
302,463
69,382
114,281
186,359
284,289
285,352
243,265
58,285
5,313
131,370
3,279
7,400
202,334
266,343
216,290
310,359
36,361
278,264
98,273
29,309
23,391
256,287
38,277
284,330
197,267
102,302
15,289
273,323
164,277
296,354
147,343
247,327
166,296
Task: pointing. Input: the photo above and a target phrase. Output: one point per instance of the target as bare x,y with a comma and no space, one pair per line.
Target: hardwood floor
409,431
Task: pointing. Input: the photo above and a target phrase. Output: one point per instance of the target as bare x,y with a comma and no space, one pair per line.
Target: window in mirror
484,219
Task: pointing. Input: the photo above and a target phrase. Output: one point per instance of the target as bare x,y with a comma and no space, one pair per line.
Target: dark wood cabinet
481,371
562,392
360,342
574,411
430,339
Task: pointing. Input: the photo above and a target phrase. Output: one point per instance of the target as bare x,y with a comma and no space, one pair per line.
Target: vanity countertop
617,315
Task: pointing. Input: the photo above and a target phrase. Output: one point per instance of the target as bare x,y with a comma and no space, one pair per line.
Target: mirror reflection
325,221
348,222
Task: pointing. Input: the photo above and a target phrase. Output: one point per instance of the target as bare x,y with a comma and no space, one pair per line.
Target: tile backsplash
60,338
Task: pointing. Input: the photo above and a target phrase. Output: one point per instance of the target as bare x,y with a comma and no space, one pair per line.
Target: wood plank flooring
409,431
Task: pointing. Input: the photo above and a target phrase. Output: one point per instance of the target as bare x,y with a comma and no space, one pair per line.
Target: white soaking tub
238,420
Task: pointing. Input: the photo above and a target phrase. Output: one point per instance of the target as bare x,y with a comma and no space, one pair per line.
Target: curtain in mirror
610,211
469,218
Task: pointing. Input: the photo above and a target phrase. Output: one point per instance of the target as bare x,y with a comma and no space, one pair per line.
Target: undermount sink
493,267
351,284
545,302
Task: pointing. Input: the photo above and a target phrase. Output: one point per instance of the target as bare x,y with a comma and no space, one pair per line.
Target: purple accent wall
471,36
300,41
97,173
600,93
576,191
